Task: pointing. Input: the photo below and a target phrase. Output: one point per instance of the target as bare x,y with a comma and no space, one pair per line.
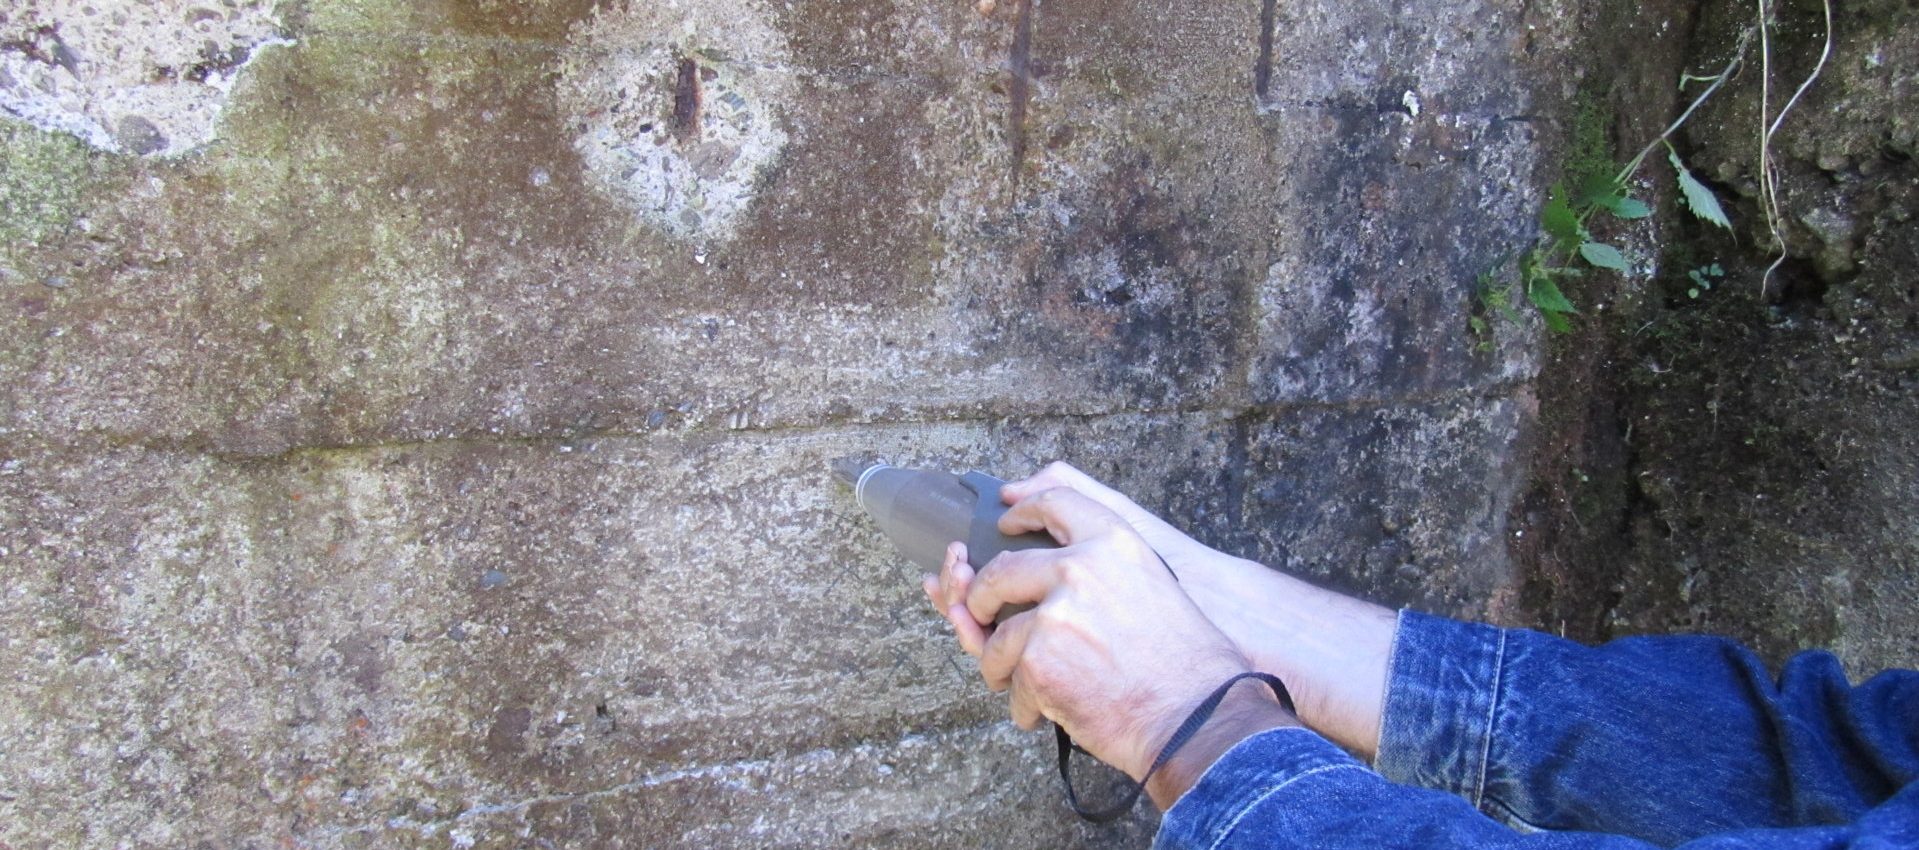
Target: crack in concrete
739,768
1263,66
15,443
504,44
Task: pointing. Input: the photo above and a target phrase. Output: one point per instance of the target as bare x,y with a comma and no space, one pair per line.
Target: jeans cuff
1250,772
1442,698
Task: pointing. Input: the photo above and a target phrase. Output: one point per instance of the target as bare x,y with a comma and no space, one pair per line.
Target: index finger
1056,474
1021,577
1069,515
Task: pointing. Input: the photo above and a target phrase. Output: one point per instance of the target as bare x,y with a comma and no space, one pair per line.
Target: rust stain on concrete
686,101
1263,67
1020,87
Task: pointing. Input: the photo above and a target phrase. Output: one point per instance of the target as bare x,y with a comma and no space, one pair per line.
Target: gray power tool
922,510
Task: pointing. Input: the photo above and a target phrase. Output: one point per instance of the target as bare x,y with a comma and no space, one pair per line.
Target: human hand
1330,649
1115,652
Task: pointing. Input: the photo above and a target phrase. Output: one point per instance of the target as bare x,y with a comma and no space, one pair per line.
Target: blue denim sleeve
1664,739
1289,788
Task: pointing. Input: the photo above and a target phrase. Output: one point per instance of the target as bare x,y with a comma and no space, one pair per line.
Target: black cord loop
1184,733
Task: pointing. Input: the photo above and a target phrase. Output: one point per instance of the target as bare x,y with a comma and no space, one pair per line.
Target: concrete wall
415,414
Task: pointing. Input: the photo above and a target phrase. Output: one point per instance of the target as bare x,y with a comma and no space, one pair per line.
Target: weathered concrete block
420,255
394,471
315,644
1409,166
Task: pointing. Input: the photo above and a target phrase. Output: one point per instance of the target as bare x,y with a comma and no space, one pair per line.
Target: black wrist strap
1181,735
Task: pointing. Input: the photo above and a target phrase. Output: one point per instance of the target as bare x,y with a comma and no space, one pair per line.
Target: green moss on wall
43,181
1589,145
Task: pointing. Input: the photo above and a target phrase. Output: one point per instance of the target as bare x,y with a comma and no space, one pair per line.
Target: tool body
923,510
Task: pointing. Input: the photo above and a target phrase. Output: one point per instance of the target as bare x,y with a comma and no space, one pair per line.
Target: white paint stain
690,174
150,78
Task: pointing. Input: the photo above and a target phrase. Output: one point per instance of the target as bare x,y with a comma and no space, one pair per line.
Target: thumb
1158,532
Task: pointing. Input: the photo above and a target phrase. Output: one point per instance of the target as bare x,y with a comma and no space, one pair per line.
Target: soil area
1729,449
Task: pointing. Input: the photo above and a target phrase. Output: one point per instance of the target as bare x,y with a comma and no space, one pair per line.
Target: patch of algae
359,299
1589,144
43,184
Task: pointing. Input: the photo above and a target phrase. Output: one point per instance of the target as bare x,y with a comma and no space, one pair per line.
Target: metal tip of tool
849,469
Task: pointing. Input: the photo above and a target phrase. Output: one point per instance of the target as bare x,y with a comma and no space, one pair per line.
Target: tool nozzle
849,469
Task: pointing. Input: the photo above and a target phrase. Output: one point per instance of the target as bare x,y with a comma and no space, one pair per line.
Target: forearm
1332,650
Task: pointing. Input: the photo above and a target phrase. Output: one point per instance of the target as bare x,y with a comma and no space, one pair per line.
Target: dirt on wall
1724,448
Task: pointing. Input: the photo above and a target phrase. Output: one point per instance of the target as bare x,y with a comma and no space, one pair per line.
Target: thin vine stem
1768,194
1738,57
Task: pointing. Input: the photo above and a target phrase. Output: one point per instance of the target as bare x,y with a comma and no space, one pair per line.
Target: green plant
1567,248
1566,242
1494,300
1703,279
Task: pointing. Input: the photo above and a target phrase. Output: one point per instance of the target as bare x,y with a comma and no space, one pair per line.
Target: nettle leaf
1606,193
1546,296
1557,322
1601,190
1630,208
1558,219
1699,199
1604,256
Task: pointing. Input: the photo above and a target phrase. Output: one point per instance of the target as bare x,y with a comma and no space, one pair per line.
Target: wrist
1248,709
1332,650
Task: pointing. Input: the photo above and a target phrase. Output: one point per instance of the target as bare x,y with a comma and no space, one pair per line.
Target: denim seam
1392,664
1232,823
1492,713
1512,817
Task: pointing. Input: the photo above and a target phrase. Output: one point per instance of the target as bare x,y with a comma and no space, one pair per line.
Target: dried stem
1768,180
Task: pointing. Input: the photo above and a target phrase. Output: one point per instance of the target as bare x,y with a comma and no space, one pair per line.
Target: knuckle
993,576
1074,570
993,666
1040,678
1022,680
